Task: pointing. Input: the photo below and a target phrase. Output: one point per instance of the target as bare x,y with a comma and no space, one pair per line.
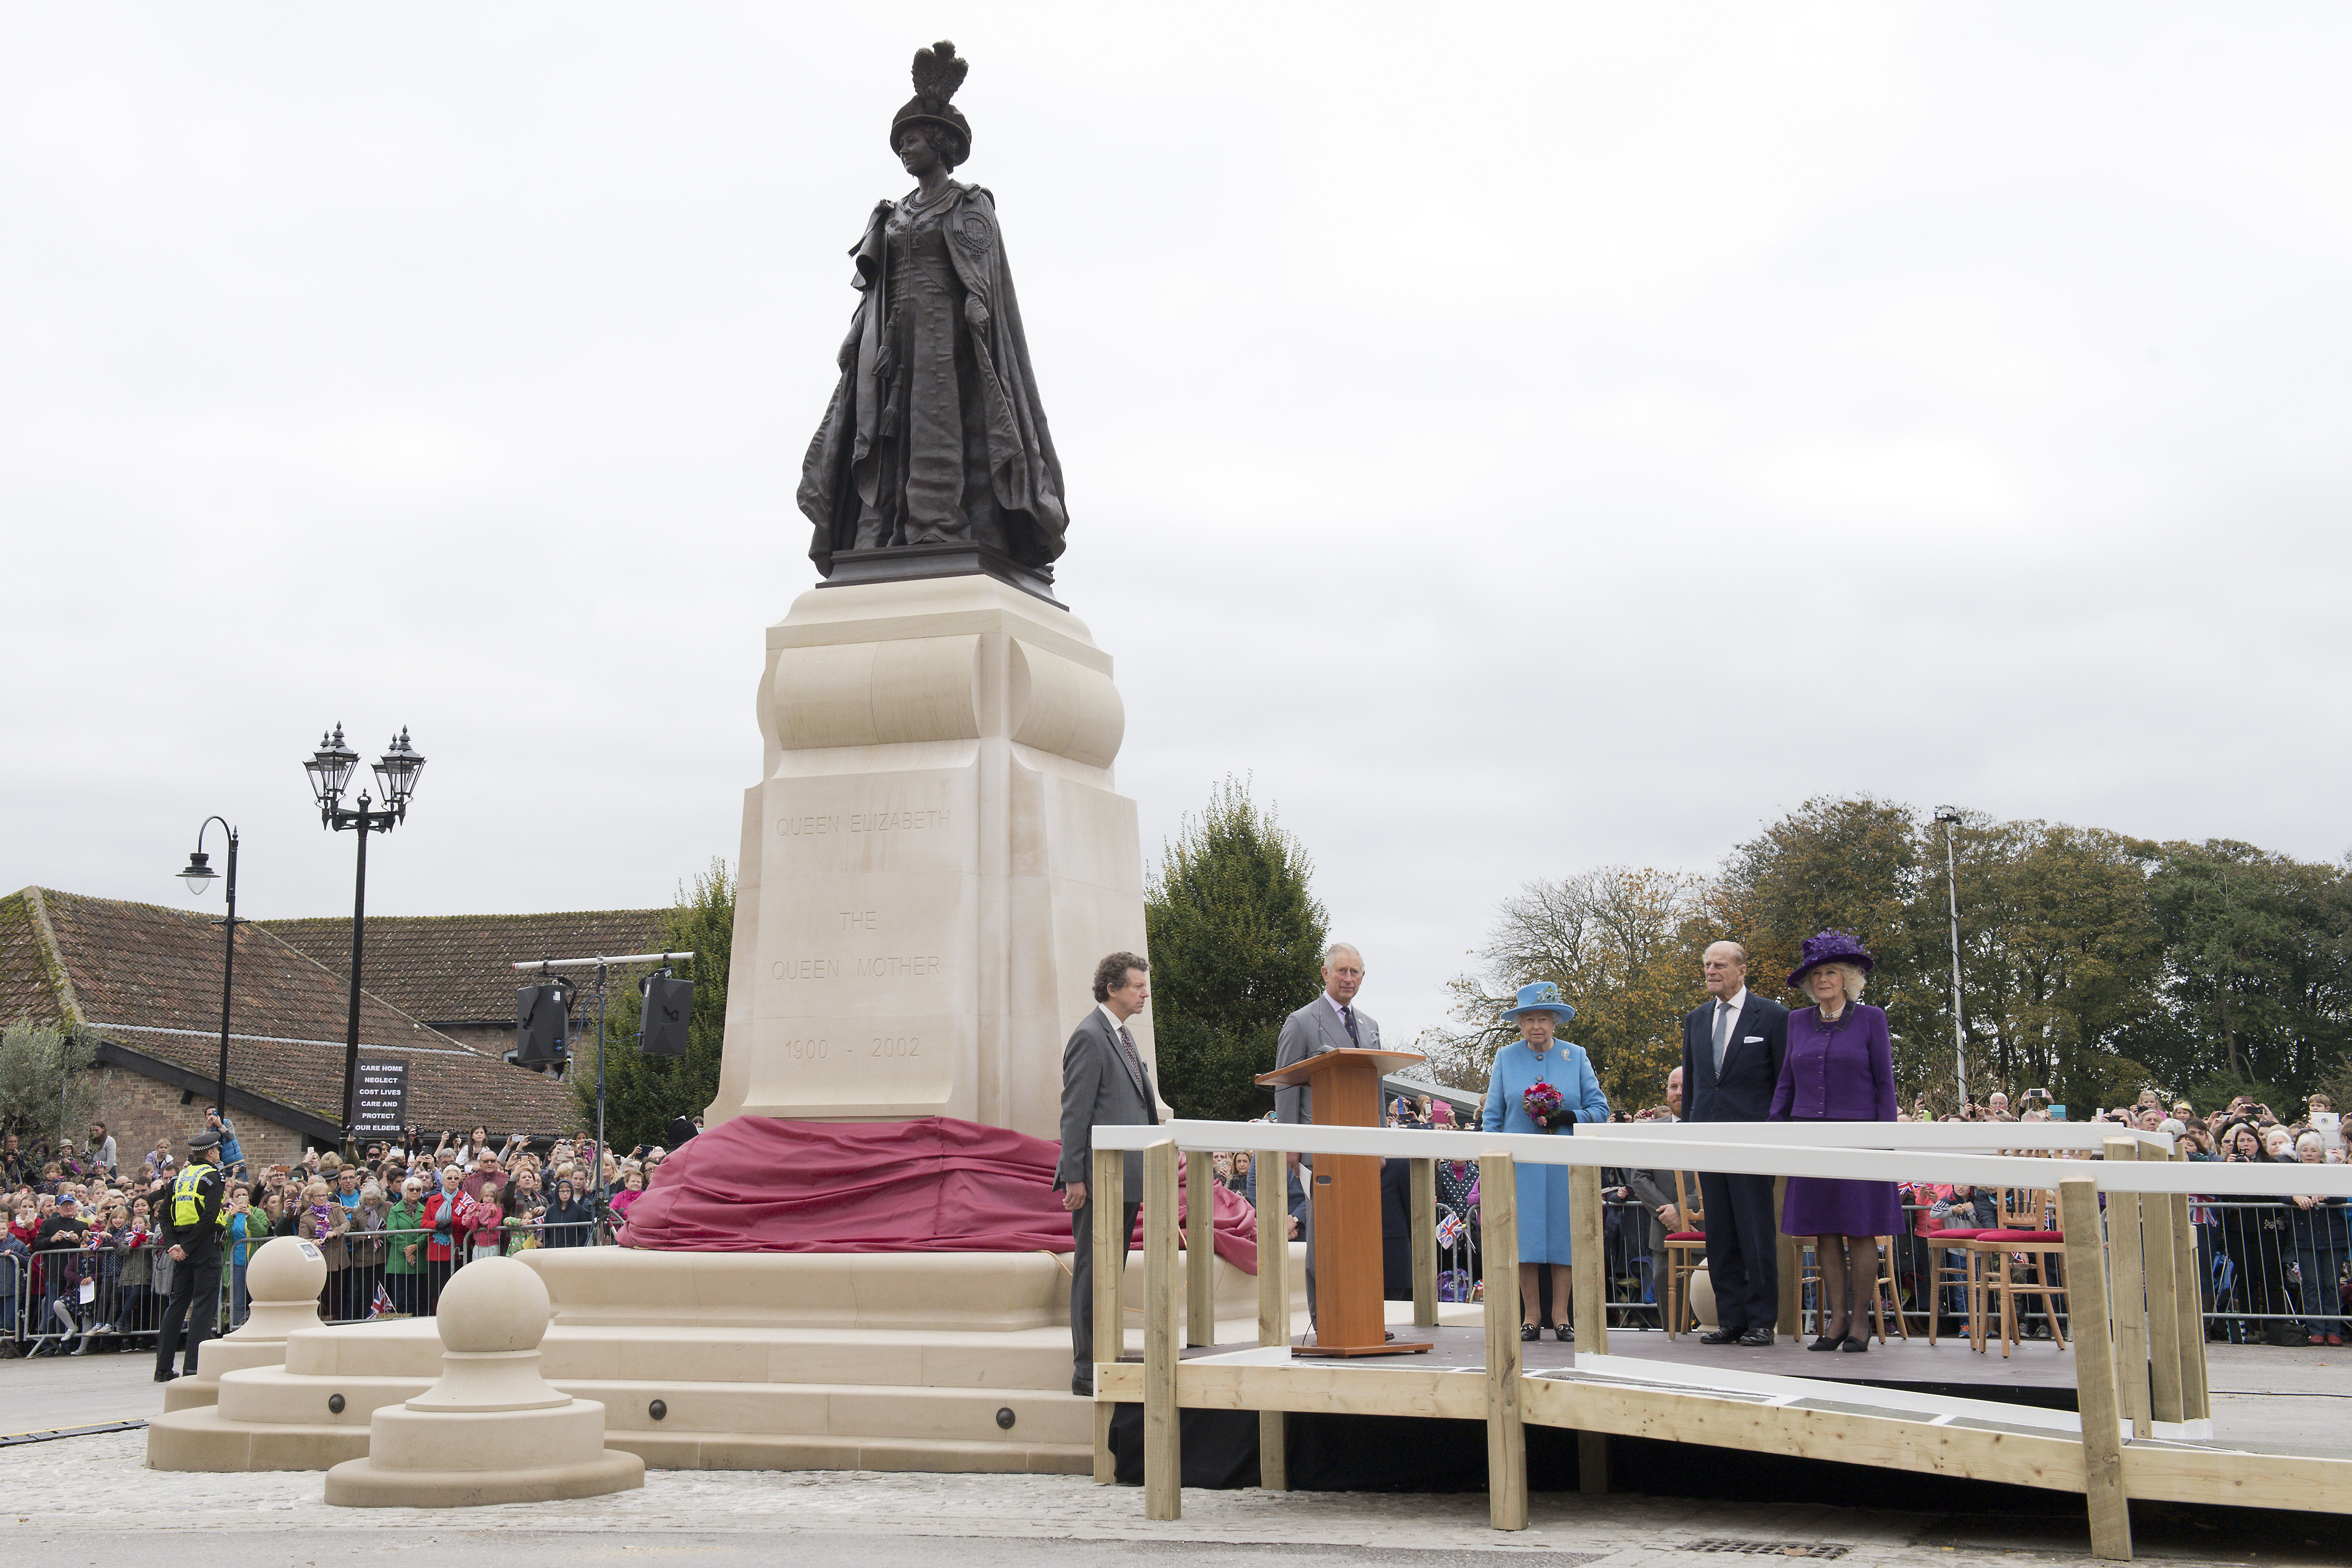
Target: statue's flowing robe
843,474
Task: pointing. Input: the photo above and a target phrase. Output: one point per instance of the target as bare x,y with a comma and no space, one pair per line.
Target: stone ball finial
286,1269
492,1306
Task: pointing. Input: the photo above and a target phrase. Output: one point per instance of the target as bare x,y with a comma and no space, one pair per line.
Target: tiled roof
28,985
148,979
457,968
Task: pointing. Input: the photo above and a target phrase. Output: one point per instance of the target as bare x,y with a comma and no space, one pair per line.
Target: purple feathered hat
1832,947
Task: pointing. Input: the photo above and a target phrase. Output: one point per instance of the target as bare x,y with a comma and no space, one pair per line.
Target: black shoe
165,1376
1826,1342
1854,1346
1757,1338
1530,1331
1084,1387
1565,1333
1722,1337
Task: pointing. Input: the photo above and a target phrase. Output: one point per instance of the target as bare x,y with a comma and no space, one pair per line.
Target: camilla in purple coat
1839,1071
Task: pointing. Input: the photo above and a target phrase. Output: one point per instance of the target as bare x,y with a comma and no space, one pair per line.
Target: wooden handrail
1776,1157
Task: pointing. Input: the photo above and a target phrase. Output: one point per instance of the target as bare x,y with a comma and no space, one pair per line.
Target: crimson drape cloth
759,1184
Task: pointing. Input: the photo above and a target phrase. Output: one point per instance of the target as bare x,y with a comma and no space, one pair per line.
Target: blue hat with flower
1832,947
1543,997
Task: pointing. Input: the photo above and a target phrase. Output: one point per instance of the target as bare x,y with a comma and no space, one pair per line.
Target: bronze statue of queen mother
935,435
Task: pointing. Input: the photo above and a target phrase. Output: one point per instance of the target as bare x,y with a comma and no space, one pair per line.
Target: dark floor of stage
2034,1373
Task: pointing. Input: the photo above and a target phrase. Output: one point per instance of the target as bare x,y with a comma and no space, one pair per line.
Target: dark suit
1656,1189
1743,1234
1099,1090
1396,1230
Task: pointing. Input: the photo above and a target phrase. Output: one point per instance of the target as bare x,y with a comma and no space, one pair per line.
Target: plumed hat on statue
938,74
1832,947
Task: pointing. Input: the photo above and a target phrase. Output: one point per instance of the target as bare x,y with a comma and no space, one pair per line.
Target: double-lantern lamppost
395,776
199,876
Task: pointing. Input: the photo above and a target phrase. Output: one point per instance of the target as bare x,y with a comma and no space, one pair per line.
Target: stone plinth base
489,1429
935,859
879,1362
483,1458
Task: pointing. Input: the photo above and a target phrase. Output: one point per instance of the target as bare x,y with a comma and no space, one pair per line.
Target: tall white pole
1952,887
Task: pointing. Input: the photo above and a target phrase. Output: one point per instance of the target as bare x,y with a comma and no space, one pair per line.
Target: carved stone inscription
865,972
876,962
883,821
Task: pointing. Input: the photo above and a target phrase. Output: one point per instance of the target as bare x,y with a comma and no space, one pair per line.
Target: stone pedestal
933,861
283,1279
491,1430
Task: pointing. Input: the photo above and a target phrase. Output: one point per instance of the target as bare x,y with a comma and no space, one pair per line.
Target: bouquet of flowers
1545,1105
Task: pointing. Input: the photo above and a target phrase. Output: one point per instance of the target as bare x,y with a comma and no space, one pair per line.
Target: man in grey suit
1329,1023
1658,1193
1104,1084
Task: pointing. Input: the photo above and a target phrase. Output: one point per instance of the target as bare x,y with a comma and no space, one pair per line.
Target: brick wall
495,1039
139,1111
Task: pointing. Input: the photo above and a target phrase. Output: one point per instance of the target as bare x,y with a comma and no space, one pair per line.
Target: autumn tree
1618,941
2092,963
1856,865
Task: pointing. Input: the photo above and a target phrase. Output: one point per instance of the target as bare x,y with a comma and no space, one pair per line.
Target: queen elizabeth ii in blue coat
1537,1056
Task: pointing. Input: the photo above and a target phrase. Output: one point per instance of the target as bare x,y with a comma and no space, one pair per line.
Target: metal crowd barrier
59,1300
45,1309
2272,1269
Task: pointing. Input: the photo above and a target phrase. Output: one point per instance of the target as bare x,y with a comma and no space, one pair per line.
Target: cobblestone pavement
92,1498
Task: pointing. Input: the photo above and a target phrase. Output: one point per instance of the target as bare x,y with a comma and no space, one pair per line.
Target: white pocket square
1751,1039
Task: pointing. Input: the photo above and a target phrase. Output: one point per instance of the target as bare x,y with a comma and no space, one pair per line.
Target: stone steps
271,1396
761,1361
1029,1358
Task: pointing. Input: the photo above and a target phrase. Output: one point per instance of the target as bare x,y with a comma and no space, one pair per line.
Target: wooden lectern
1346,1194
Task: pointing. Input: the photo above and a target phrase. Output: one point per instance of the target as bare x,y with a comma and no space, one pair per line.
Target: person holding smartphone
247,1229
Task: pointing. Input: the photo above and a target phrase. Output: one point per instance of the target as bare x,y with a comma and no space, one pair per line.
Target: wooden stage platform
2125,1415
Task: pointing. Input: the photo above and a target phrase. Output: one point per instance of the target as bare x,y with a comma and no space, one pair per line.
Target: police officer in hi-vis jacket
192,1225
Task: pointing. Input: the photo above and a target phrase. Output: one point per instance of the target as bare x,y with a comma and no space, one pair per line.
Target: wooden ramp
1800,1418
2137,1353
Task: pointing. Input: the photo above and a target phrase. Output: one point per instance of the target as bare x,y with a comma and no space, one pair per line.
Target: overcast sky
1520,439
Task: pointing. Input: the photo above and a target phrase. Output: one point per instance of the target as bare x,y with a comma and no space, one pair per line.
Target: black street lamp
199,876
329,768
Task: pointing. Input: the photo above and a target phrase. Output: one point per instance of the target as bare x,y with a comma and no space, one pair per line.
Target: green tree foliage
1616,942
643,1093
2257,963
1236,945
2092,963
46,1089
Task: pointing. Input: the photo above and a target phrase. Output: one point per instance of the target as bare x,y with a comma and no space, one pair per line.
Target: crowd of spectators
82,1267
